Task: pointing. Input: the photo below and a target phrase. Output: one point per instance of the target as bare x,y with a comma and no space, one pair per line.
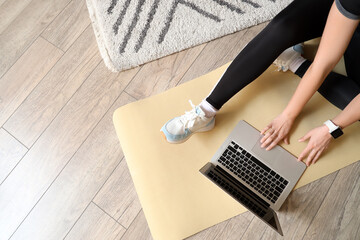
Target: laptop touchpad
273,154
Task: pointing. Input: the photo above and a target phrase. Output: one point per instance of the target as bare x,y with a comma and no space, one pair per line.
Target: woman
338,24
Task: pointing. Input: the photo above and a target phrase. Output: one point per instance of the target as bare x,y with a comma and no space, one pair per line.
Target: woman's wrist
289,114
339,122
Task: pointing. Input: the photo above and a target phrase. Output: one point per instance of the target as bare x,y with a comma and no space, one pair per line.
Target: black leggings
302,20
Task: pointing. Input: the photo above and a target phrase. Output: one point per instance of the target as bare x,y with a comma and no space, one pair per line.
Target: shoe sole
205,129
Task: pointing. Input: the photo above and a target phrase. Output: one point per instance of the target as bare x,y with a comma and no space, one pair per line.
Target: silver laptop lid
278,160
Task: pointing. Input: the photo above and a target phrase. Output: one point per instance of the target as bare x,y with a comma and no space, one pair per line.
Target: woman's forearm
308,85
350,114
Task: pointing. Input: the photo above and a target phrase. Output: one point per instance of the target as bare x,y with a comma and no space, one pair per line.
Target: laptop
260,180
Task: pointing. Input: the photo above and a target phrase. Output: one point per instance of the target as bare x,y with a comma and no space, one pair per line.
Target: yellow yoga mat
177,200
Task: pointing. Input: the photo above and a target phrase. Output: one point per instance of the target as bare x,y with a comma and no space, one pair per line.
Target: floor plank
77,184
162,74
138,229
118,196
48,156
68,25
255,230
55,90
11,151
339,215
94,224
300,208
25,28
236,227
24,76
130,213
9,10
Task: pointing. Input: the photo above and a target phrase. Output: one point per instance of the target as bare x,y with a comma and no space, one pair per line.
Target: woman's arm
320,137
336,37
350,114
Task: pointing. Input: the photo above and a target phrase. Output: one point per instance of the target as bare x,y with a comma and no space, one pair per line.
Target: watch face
337,133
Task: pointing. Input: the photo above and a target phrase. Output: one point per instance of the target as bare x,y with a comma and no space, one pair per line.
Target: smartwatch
334,130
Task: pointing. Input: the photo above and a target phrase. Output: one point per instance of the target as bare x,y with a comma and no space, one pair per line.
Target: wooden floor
62,171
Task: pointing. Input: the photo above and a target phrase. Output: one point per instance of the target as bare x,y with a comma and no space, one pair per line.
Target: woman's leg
300,21
336,88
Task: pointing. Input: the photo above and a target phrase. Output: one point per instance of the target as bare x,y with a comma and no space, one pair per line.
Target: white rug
133,32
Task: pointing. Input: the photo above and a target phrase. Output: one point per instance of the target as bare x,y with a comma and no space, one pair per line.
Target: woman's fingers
273,143
311,157
268,140
266,128
304,153
319,139
272,138
267,135
306,137
274,132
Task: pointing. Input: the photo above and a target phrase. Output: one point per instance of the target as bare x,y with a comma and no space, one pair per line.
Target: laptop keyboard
235,193
260,177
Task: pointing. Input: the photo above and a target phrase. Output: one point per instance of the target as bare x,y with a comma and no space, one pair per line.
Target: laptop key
278,189
232,149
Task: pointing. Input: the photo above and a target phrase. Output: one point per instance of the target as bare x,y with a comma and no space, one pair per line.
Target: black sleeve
349,8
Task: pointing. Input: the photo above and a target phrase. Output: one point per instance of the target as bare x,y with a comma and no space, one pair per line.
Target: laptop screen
240,193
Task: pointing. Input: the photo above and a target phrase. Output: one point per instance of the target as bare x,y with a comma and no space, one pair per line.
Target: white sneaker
286,58
180,129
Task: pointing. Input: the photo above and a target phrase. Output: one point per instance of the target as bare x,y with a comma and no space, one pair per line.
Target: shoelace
281,65
189,118
284,65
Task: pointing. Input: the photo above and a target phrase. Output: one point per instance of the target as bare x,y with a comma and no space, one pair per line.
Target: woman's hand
276,131
320,139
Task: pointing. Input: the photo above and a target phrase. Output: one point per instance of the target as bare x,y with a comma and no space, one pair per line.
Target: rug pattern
132,32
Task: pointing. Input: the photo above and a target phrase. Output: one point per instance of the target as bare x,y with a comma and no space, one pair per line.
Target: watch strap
334,130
